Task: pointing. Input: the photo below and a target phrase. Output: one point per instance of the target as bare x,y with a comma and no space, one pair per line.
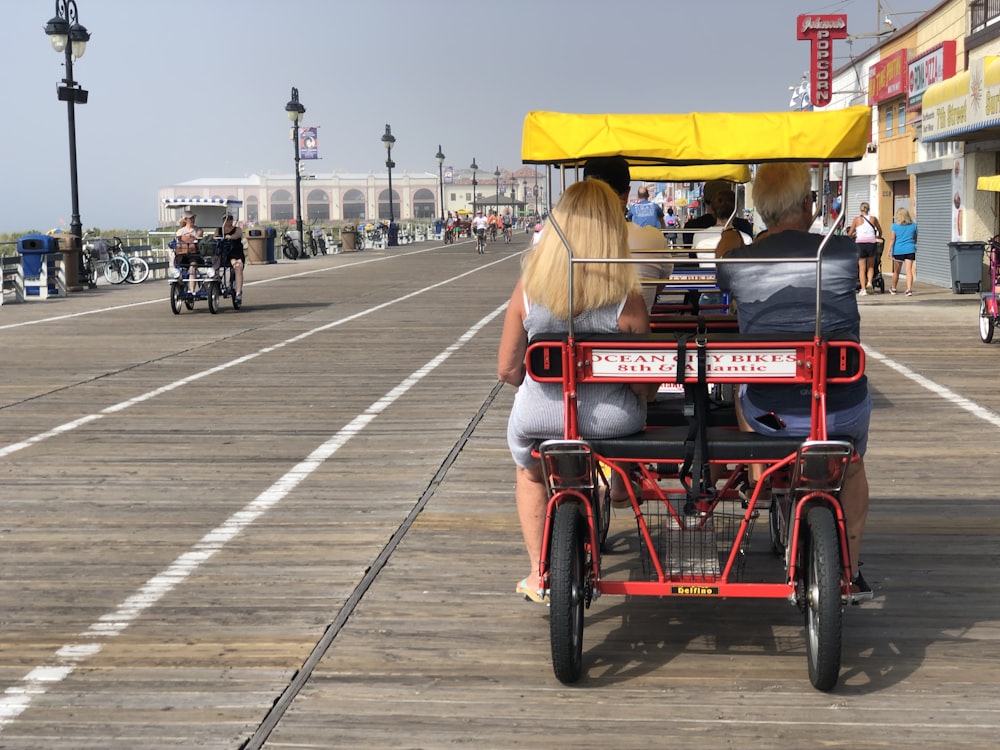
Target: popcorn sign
821,30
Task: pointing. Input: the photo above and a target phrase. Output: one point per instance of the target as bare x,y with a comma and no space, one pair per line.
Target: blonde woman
606,299
903,247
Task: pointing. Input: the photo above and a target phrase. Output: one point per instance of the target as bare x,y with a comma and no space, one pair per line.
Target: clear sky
197,88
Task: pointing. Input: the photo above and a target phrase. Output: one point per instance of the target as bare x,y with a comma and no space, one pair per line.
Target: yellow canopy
697,137
991,183
693,173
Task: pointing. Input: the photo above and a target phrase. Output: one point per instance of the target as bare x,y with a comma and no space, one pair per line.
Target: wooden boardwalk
293,527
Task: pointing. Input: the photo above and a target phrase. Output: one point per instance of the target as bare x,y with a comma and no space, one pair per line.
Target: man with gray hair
775,297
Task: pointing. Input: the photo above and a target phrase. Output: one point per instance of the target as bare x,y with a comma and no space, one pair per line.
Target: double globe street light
475,168
440,159
295,111
69,36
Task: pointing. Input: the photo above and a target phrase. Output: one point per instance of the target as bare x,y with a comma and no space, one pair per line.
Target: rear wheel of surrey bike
138,270
824,612
567,593
176,293
986,323
116,270
214,297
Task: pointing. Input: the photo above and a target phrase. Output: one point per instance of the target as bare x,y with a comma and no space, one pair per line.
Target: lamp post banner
308,143
821,30
449,175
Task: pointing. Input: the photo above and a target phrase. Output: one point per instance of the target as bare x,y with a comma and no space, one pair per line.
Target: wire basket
694,547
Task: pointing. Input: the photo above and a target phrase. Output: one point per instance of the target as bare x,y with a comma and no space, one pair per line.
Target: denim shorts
849,423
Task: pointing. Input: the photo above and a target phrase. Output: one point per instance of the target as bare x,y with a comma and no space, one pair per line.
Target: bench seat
668,444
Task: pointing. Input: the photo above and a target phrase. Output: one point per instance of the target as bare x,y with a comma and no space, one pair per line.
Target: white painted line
938,390
17,698
161,300
121,406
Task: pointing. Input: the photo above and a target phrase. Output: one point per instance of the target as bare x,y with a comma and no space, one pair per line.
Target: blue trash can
33,249
269,234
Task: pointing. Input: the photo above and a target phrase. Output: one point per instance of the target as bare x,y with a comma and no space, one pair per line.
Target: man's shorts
849,423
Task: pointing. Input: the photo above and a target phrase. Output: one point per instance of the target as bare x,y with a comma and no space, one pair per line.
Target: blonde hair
780,189
864,208
903,217
590,215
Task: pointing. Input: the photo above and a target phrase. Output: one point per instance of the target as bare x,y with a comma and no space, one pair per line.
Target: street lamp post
440,158
497,175
536,192
295,111
388,140
67,35
475,168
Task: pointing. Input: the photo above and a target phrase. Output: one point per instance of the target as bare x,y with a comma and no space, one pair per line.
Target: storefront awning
965,106
991,183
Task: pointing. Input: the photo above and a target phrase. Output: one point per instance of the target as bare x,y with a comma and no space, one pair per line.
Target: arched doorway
424,204
252,209
354,205
318,205
281,206
383,205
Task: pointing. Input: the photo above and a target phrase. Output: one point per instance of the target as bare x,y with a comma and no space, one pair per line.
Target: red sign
888,78
934,66
821,30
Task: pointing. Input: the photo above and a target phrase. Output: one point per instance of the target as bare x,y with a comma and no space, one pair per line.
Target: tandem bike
694,539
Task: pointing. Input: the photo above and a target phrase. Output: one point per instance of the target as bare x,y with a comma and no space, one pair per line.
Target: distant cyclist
479,226
507,221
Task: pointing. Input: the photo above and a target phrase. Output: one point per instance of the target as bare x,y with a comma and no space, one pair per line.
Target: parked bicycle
121,268
290,248
94,249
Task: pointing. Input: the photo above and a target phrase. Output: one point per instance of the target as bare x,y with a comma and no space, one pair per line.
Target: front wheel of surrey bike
138,270
824,611
176,295
214,297
567,594
116,270
987,324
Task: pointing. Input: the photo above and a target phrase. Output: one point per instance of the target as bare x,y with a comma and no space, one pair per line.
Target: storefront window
901,125
888,121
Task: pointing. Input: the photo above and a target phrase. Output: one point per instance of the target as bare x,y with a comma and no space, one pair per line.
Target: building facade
339,197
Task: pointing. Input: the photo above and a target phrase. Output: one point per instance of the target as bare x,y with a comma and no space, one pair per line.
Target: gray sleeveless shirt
605,409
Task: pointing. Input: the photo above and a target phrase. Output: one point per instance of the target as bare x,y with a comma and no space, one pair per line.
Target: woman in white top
866,232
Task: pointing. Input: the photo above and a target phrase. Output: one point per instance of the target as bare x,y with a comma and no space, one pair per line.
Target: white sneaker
863,293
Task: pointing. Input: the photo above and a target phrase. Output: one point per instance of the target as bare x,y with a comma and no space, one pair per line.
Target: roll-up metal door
933,218
858,192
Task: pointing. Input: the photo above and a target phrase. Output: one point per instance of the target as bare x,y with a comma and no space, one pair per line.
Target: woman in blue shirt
903,245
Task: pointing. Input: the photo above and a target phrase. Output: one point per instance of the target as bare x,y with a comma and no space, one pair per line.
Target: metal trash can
269,234
256,246
966,266
348,237
33,249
